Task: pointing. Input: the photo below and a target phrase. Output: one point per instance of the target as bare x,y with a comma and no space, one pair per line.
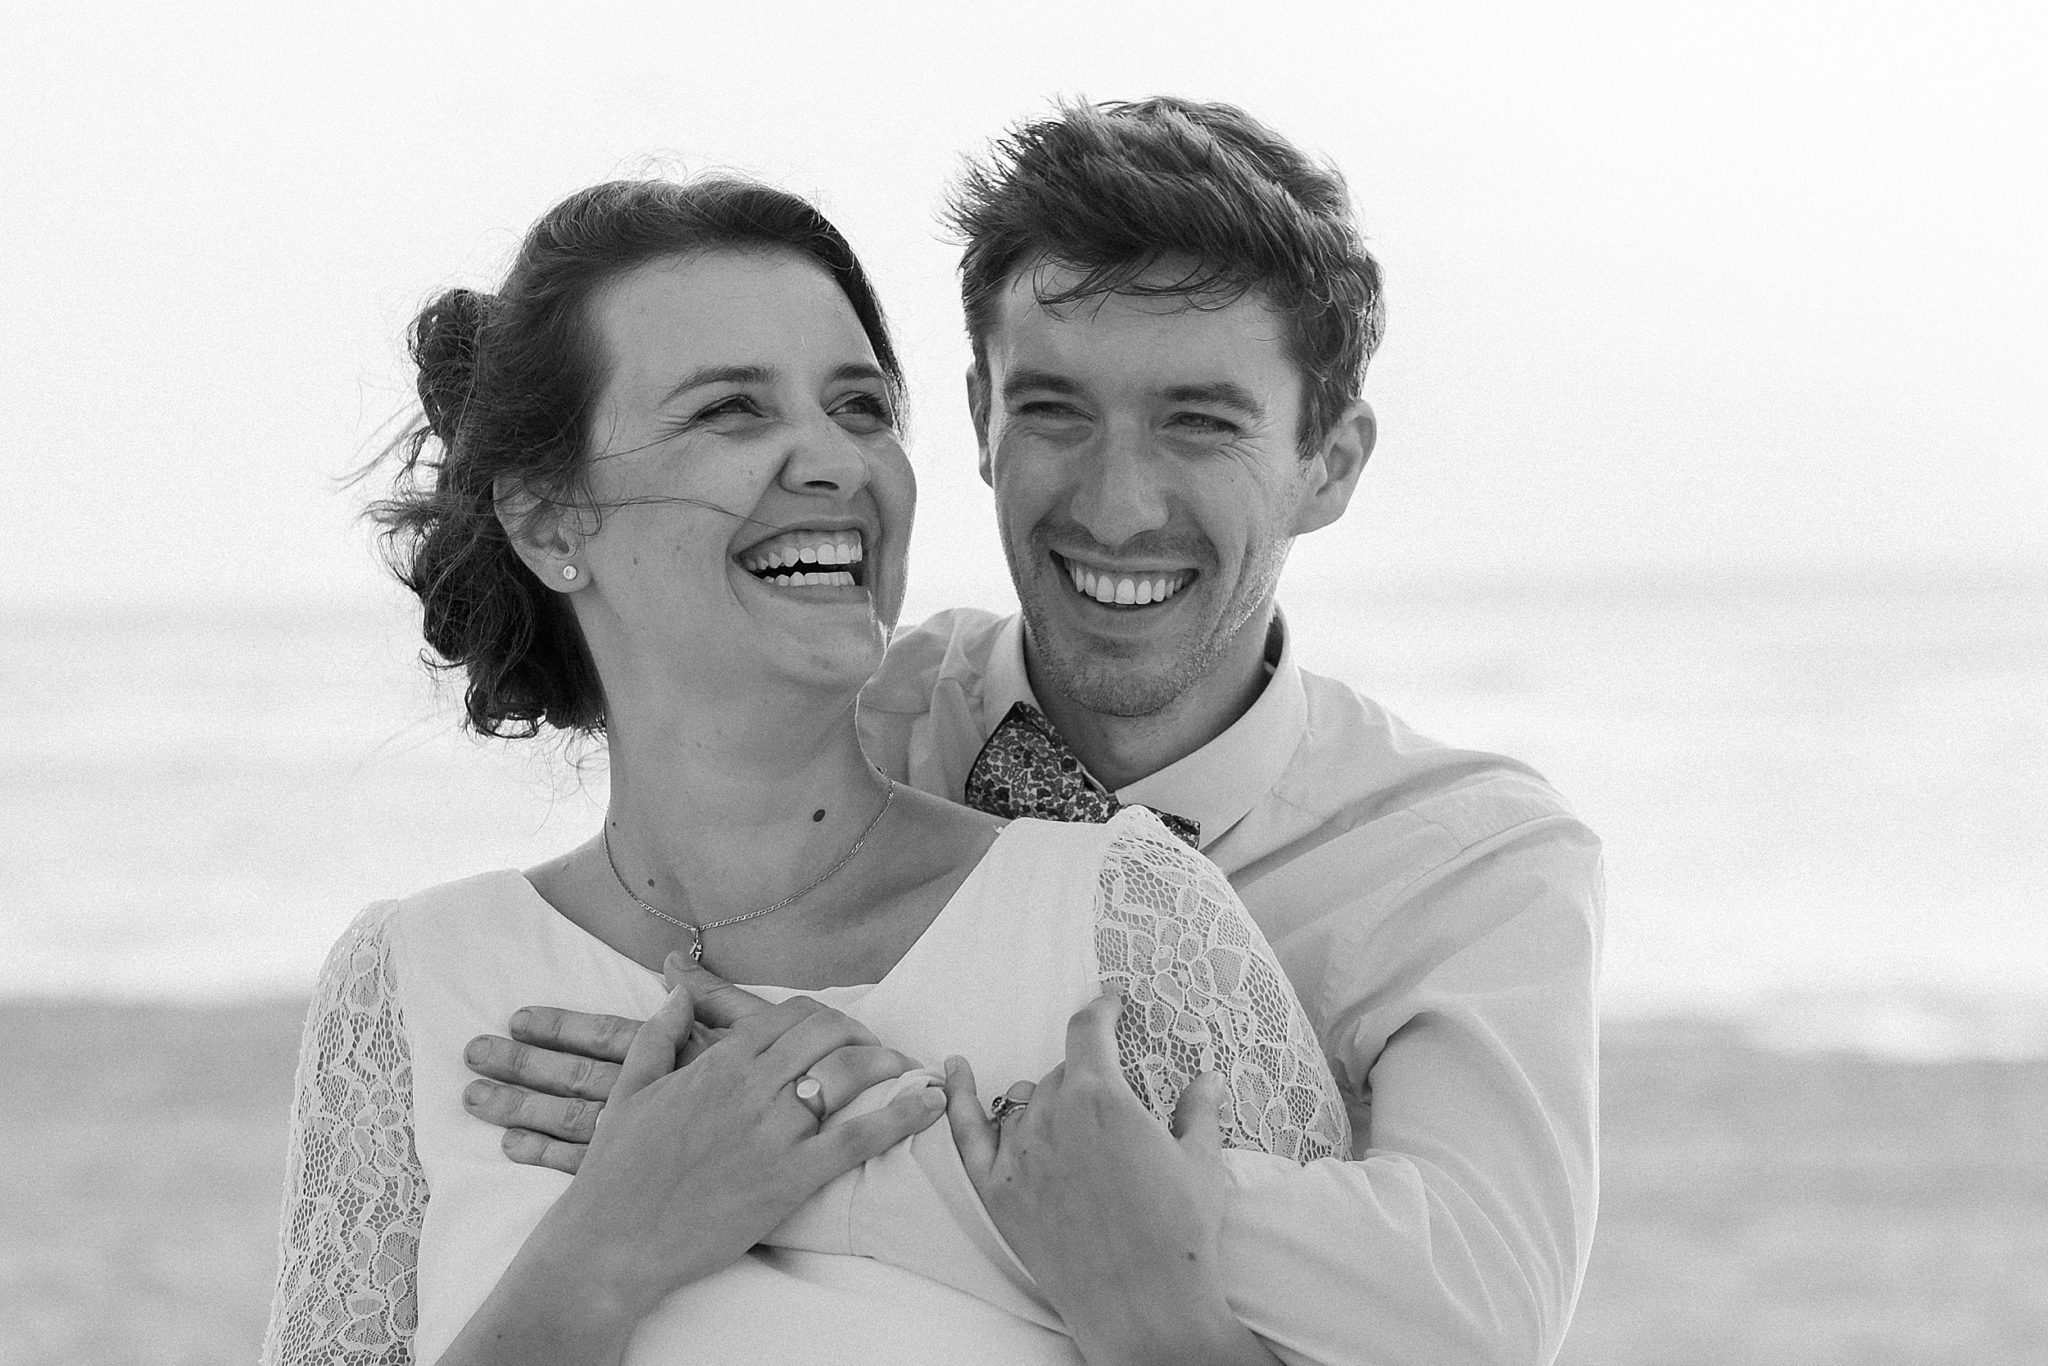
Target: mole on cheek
818,815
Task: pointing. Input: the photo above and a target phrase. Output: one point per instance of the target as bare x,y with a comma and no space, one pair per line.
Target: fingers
512,1107
974,1134
656,1047
605,1037
530,1149
1091,1034
719,1002
541,1069
846,1072
1197,1117
799,1035
845,1146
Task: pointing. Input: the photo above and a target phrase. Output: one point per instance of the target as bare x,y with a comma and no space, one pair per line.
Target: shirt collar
1005,682
1219,783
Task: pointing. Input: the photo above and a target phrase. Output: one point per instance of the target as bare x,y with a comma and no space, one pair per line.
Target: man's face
1148,484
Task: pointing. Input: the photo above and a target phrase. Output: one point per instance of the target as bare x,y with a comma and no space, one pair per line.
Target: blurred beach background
1712,481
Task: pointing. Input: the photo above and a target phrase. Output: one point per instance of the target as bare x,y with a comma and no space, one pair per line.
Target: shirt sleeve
1461,1231
355,1196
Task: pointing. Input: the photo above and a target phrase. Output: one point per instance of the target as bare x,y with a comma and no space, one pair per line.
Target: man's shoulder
1362,763
955,644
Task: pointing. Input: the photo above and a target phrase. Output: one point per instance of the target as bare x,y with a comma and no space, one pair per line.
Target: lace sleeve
1203,992
355,1196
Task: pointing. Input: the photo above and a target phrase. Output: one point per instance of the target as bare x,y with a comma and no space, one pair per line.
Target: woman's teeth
806,559
832,580
1129,589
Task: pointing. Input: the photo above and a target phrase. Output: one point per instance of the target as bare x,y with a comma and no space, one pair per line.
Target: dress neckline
961,894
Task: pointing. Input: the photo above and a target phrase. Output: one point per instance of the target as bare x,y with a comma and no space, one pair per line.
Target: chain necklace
697,931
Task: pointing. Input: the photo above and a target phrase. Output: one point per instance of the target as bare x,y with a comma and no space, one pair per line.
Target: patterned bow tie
1026,769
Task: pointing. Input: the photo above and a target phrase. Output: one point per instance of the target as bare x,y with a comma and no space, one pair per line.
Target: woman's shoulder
365,948
488,894
1135,834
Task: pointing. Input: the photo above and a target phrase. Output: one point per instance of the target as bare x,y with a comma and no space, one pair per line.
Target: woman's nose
824,458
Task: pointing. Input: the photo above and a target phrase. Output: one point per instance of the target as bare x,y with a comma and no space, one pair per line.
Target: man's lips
1123,587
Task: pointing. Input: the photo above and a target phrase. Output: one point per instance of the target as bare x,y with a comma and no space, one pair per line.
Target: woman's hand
1115,1218
547,1084
691,1166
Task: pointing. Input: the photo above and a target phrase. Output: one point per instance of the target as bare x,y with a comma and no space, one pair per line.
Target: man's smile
1123,587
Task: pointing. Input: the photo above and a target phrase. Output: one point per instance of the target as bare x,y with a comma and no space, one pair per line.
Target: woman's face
755,503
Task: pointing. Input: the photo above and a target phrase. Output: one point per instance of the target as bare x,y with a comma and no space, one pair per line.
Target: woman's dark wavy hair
1110,190
507,384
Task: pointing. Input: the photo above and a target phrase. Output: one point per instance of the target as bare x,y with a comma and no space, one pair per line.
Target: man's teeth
795,553
1126,590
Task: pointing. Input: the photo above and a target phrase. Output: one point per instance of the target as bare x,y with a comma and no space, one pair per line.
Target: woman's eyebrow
859,370
763,374
720,374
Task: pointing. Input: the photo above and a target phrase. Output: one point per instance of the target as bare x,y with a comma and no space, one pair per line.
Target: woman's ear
1333,471
545,533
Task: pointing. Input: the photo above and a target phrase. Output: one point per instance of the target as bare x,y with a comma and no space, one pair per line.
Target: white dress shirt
1439,912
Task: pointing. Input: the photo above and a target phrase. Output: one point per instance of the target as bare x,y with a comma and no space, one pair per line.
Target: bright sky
1671,285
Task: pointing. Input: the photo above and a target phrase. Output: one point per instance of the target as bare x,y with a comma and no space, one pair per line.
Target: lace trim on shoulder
1203,992
355,1195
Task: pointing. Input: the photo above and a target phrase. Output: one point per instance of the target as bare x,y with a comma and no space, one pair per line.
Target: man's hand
1115,1218
548,1083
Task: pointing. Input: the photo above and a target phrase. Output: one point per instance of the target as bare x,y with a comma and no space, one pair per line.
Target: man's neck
1121,750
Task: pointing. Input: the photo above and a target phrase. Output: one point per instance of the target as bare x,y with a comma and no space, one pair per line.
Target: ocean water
1824,800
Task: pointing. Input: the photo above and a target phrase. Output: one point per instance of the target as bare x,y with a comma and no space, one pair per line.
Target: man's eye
1205,424
1047,411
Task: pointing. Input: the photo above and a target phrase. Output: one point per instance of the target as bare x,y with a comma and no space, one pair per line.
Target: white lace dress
401,1212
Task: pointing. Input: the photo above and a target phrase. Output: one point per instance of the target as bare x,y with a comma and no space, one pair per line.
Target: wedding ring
811,1092
1002,1107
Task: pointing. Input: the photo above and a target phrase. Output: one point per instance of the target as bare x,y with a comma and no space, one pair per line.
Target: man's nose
823,457
1118,493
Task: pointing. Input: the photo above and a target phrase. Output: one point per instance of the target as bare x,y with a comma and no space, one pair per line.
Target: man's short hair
1113,190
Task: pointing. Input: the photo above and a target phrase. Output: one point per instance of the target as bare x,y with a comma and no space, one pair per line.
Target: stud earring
569,572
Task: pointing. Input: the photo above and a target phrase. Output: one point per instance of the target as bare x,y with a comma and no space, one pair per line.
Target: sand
1758,1208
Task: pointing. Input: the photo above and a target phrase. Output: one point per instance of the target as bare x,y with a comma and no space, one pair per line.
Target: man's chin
1108,682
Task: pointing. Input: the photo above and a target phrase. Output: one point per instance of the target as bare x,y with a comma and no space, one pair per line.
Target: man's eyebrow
1219,394
1043,381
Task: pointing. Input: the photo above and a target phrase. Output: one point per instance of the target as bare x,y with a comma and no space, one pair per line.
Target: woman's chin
833,656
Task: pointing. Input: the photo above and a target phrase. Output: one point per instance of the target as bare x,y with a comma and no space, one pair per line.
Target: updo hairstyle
508,383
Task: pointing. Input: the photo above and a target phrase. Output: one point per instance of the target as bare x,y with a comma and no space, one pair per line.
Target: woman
659,496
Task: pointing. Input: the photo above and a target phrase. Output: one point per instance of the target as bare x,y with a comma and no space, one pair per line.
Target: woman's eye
867,413
738,405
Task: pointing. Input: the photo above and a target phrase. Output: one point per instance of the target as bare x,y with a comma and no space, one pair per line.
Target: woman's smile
809,558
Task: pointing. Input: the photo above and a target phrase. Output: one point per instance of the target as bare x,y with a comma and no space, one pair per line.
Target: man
1171,312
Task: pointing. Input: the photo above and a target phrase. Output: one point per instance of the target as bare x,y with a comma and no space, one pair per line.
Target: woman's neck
711,821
